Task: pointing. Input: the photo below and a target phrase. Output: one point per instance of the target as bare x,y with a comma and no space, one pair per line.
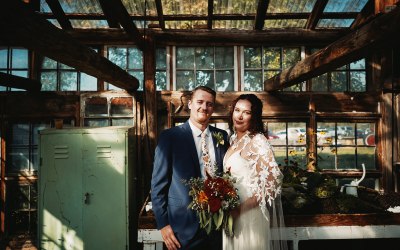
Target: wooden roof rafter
118,12
160,14
56,8
107,10
210,15
351,47
261,13
27,29
19,82
316,14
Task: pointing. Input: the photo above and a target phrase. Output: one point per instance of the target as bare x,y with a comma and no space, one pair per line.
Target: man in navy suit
178,157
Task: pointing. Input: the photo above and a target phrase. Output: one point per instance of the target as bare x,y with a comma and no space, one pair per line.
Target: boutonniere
219,138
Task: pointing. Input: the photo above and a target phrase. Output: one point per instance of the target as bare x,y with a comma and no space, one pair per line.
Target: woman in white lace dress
258,222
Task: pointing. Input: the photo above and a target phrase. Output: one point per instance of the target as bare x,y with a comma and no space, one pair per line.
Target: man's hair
256,124
204,88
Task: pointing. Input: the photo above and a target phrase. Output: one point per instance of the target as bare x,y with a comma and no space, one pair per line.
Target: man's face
201,107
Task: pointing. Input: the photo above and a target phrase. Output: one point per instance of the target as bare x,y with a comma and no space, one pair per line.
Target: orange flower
202,197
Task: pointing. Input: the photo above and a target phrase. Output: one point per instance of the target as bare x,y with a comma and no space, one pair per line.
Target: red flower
215,204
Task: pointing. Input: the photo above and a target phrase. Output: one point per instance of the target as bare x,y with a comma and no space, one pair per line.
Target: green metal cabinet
86,188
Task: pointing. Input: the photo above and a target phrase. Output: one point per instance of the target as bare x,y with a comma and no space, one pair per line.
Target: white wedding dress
252,162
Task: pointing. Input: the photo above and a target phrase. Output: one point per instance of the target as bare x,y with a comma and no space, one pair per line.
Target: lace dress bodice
251,160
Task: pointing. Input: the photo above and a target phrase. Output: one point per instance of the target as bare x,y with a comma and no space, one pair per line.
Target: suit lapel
187,131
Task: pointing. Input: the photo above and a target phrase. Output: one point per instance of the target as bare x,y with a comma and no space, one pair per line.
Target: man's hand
170,240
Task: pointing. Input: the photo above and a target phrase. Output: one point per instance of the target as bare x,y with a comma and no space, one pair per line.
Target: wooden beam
247,37
160,14
55,7
210,15
261,14
316,14
354,46
106,6
119,12
23,27
366,14
19,82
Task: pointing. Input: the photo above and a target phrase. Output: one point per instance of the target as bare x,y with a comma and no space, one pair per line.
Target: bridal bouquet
213,199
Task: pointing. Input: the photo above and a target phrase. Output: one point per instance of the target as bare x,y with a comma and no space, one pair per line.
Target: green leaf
230,225
208,230
220,219
215,219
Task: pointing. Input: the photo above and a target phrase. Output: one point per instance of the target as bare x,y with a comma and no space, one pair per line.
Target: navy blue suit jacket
175,160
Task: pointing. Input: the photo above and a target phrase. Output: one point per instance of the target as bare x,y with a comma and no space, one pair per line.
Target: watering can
351,188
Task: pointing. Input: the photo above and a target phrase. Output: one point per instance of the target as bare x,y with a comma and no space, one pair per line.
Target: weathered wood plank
355,45
24,28
316,14
55,7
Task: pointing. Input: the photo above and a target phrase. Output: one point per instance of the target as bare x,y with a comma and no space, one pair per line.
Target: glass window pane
35,162
161,80
298,155
88,82
358,81
3,58
366,155
277,130
21,73
49,81
272,58
122,122
18,159
96,106
204,57
224,57
252,57
325,134
224,80
49,63
118,56
360,64
290,57
270,73
20,134
326,158
185,80
68,81
338,79
63,66
19,58
161,58
135,59
346,157
319,83
205,78
184,58
96,123
121,106
253,81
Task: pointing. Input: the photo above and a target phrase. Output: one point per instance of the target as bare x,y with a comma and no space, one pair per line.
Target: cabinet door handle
87,198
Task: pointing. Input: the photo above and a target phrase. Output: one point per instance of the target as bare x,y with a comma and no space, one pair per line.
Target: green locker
86,188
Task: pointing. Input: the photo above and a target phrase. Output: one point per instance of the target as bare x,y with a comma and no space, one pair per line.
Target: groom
178,157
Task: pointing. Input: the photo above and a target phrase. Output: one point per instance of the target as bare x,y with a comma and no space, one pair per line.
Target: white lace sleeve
266,178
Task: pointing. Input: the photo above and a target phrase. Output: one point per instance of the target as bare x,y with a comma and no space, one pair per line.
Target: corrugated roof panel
345,5
334,23
81,6
284,23
138,7
235,7
186,25
291,6
234,24
185,7
89,24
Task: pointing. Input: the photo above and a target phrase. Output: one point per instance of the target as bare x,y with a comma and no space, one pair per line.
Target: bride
258,221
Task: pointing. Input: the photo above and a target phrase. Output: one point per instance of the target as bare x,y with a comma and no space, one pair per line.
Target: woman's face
241,116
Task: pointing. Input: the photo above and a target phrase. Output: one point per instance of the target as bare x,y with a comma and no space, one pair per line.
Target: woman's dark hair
256,124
